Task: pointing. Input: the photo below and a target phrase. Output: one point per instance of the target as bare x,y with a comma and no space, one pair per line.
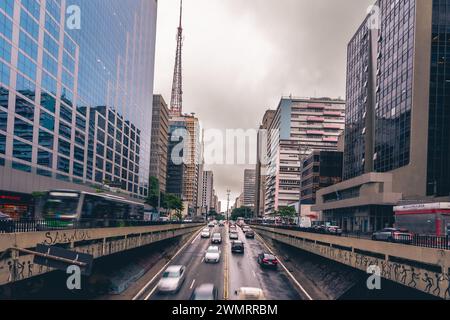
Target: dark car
250,234
267,260
237,247
6,223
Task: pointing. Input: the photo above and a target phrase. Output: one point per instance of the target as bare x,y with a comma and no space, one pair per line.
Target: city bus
66,208
424,219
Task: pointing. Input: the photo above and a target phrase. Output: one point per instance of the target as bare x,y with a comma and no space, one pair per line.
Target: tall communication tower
176,102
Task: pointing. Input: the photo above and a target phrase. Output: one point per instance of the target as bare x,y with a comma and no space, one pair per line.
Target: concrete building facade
249,188
159,141
261,164
299,126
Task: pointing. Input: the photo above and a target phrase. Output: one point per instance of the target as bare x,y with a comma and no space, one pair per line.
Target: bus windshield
60,207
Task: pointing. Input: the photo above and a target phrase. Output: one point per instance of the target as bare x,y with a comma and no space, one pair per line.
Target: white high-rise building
299,126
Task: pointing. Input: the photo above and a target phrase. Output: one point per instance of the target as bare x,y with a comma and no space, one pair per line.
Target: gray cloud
241,56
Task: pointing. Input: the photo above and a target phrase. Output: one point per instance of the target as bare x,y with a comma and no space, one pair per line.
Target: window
65,130
22,151
63,164
23,129
45,158
45,139
65,113
3,120
2,144
64,147
79,154
48,102
24,108
47,121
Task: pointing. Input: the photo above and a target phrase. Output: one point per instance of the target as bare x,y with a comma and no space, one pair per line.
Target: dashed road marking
141,292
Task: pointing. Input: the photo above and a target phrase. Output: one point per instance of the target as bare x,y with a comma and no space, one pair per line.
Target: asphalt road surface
233,272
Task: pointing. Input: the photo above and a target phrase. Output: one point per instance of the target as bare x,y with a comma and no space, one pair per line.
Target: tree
287,213
153,193
242,212
172,202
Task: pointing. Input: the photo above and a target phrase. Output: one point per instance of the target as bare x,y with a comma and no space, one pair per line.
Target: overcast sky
241,56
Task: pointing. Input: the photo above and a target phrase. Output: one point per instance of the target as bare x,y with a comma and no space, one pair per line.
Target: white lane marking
203,259
159,272
254,273
196,238
192,285
287,271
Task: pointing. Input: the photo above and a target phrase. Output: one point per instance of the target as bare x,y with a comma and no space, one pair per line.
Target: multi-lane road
233,271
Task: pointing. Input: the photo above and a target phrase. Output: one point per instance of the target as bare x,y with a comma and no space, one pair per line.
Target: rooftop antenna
176,101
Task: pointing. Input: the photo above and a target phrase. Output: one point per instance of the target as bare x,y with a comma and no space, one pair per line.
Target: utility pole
228,205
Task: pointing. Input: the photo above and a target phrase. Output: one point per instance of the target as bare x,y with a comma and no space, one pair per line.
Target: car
216,238
232,226
211,225
237,247
205,233
267,260
234,236
394,235
250,234
221,224
6,223
212,255
172,279
247,293
334,230
204,292
246,229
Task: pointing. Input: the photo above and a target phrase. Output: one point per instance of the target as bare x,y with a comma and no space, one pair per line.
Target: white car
246,293
212,255
206,233
172,279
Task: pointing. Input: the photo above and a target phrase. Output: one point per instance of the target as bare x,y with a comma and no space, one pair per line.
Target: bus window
61,206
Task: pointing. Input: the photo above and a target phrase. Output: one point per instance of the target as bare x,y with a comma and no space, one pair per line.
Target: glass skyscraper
397,140
76,93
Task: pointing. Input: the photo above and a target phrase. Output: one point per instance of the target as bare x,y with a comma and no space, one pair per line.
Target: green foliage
286,212
153,192
243,212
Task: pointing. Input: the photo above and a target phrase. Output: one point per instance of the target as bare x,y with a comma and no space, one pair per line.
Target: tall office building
193,164
397,146
76,99
159,141
260,179
177,158
249,188
320,170
207,191
299,126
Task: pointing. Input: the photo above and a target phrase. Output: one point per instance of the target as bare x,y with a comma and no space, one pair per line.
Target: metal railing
33,225
428,241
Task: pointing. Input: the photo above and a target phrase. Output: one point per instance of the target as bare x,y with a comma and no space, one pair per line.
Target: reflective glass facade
358,55
76,104
379,91
394,86
439,122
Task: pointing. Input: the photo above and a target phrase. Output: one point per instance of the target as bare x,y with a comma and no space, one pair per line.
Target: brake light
265,260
